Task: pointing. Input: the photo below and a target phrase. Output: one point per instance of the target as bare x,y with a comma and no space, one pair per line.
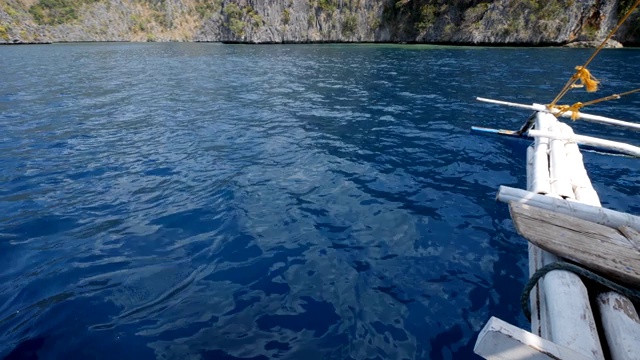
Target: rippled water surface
213,201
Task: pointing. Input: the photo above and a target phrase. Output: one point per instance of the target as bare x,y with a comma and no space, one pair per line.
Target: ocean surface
208,201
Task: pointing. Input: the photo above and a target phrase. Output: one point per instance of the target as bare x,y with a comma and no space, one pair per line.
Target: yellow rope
575,108
585,77
611,97
582,73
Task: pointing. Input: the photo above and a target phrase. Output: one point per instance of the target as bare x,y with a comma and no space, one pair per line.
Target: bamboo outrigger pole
583,116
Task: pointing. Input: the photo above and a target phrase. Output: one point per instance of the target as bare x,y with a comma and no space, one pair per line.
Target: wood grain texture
595,214
597,247
500,340
632,235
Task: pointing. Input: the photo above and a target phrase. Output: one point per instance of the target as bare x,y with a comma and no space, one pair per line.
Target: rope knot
575,110
585,77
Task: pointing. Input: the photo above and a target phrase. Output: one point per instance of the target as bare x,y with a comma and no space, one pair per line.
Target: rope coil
631,294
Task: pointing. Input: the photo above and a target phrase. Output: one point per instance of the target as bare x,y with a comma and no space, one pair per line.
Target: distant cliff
497,22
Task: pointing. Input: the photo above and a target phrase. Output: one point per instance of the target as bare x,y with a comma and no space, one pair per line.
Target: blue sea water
208,201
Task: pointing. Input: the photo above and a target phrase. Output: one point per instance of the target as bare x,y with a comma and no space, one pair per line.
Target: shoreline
576,44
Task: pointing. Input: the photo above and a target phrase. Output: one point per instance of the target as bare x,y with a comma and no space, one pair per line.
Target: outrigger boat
572,241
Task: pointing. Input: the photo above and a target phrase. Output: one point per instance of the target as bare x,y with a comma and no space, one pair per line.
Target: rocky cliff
494,22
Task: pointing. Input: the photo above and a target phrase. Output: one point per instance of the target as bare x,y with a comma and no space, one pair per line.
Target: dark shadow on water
27,350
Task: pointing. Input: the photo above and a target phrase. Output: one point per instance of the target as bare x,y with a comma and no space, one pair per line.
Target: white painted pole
602,216
535,299
536,107
530,154
582,188
602,120
580,182
559,169
537,161
561,303
618,316
571,319
540,181
583,116
591,141
621,326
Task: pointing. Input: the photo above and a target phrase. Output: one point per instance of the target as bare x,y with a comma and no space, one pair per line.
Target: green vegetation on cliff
56,12
239,18
4,34
205,8
350,24
257,21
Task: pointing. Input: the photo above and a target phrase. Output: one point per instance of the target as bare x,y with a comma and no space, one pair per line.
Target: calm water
212,201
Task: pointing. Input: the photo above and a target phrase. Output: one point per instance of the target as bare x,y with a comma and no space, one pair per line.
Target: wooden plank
621,326
632,235
602,216
595,246
500,340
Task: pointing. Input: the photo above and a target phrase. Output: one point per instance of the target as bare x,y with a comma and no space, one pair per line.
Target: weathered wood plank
632,235
594,214
500,340
595,246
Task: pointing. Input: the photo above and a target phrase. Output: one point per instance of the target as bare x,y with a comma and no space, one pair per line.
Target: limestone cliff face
497,22
527,22
103,20
264,21
534,22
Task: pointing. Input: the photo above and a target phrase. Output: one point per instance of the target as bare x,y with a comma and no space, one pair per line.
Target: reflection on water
236,202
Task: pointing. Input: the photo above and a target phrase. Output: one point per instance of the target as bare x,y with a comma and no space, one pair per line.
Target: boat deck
568,320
